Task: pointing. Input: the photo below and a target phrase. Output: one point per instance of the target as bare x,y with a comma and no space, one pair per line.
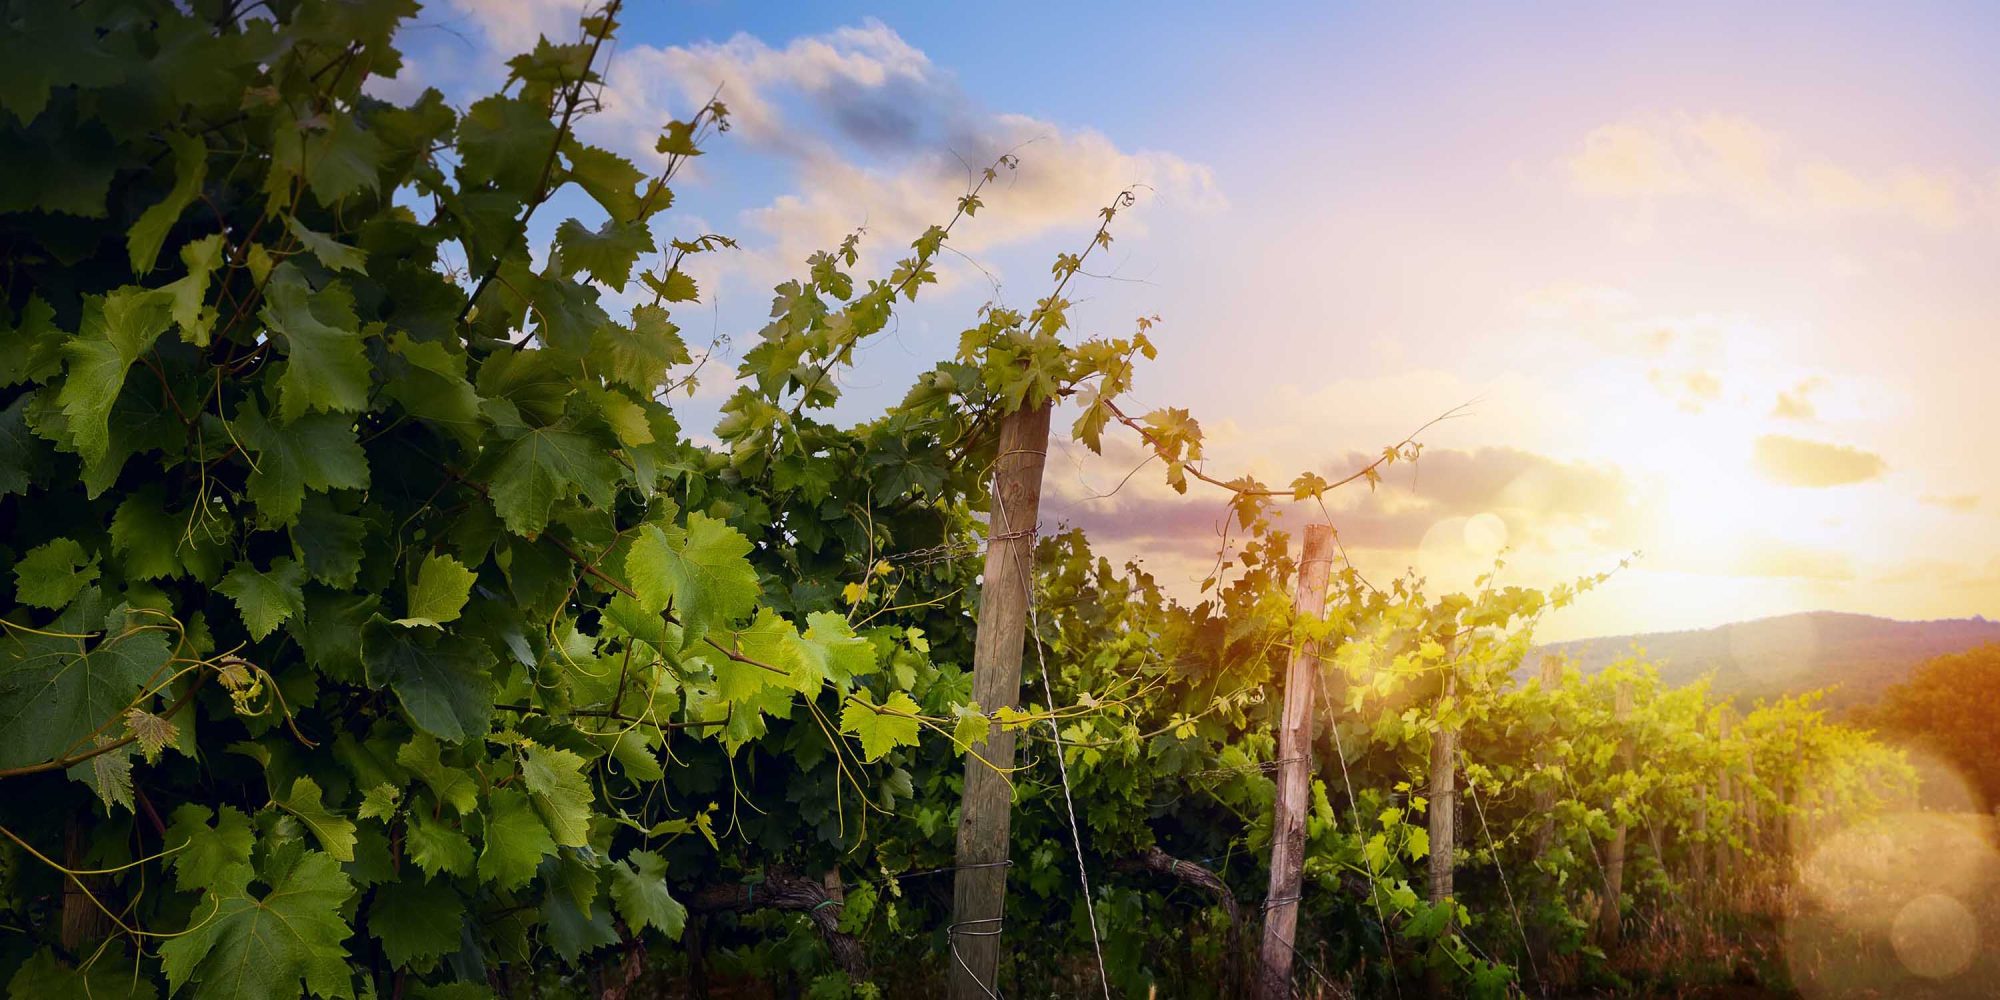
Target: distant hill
1791,654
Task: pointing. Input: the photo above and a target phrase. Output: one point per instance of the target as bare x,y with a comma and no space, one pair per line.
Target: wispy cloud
1534,497
1758,171
1962,503
1796,403
1791,461
864,128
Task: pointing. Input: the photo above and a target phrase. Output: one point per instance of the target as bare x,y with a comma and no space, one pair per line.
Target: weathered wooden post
1776,838
979,892
1545,797
1725,794
1444,805
1544,804
1753,823
1288,819
1609,918
1698,856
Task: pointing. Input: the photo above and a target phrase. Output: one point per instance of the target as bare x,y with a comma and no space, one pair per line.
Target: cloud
512,26
1796,403
873,86
865,131
1758,171
1959,502
1533,497
875,134
1794,461
1063,179
1692,390
1576,301
1776,558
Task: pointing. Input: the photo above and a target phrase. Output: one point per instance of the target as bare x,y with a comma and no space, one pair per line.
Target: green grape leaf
638,356
266,599
188,295
334,832
452,785
416,921
972,727
516,840
560,791
567,314
108,976
639,887
18,448
241,945
506,141
117,330
335,255
607,253
439,594
610,179
432,386
546,465
56,689
205,851
846,655
437,847
342,158
676,286
881,728
55,47
330,543
326,368
444,682
30,344
153,733
150,230
637,760
380,802
109,774
701,571
145,538
317,452
574,930
50,575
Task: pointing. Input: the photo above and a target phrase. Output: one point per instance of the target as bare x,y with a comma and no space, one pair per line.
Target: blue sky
1715,277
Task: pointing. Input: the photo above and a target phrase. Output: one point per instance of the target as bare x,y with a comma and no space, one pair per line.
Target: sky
1712,284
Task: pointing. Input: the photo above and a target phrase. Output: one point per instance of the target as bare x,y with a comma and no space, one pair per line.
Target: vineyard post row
985,819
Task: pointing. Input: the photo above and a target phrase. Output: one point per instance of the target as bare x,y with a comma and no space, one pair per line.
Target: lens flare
1935,936
1890,906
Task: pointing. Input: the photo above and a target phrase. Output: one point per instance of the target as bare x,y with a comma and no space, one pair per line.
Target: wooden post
1725,794
1288,819
82,921
1544,802
1776,838
979,893
1753,825
1608,917
1698,856
1443,810
1443,801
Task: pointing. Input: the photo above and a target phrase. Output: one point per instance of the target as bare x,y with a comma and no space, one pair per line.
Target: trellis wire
1062,768
1472,789
1354,810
